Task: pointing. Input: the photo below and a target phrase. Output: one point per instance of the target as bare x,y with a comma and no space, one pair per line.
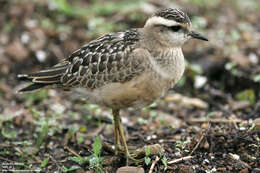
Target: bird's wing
104,60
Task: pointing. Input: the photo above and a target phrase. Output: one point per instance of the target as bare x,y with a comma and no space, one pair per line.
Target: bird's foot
130,158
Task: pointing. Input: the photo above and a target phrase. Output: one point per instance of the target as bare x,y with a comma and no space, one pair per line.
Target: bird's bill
197,35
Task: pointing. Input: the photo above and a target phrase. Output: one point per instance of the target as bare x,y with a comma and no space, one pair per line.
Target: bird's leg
123,140
116,131
119,129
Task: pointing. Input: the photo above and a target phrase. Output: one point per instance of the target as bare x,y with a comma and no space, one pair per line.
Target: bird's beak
197,35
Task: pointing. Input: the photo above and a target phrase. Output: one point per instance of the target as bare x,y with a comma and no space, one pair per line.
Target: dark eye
175,28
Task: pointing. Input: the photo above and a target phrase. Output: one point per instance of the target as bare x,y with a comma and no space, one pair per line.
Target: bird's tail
44,78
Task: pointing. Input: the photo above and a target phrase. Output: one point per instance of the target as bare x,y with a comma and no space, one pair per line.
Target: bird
131,68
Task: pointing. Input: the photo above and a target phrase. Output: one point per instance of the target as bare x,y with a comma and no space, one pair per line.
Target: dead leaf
186,101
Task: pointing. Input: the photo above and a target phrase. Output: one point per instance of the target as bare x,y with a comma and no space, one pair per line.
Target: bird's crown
169,17
173,14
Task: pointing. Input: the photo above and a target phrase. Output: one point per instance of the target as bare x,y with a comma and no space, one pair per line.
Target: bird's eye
175,28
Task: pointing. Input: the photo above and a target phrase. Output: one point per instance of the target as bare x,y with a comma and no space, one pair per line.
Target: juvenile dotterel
125,69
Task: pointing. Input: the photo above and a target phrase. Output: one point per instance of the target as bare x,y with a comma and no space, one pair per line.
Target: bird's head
172,27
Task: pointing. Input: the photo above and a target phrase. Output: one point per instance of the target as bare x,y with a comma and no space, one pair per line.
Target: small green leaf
181,82
196,68
164,161
43,134
44,162
230,65
9,135
5,152
79,160
147,151
97,146
4,119
93,161
24,143
141,121
73,168
83,129
71,132
147,160
80,139
64,6
246,95
36,112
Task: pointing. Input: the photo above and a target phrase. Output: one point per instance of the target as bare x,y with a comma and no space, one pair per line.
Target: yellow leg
122,136
119,129
116,132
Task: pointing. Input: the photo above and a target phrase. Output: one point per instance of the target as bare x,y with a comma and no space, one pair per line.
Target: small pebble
206,145
205,126
253,58
130,169
234,156
206,161
41,55
200,81
148,138
154,136
25,38
31,23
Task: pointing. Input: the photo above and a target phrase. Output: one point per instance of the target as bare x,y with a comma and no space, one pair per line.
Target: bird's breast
168,65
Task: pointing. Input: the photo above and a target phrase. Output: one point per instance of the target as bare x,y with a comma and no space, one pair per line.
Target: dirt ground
209,122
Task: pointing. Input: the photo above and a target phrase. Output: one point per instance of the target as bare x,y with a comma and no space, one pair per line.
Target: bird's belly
137,93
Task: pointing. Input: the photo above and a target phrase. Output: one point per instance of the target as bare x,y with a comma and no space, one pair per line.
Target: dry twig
197,145
203,120
72,151
153,164
201,138
179,160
